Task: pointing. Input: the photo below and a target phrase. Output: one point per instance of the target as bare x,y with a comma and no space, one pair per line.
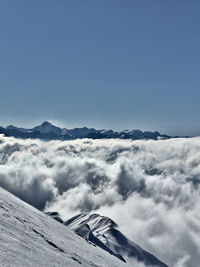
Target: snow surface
29,237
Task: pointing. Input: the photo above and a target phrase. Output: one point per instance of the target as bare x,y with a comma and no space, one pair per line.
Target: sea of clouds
150,188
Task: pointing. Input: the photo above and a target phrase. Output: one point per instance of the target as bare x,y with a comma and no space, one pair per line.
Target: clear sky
120,64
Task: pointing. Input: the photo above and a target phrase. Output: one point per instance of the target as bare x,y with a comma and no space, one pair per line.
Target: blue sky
107,64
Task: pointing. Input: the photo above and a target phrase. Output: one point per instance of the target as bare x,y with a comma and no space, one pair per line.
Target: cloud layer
150,188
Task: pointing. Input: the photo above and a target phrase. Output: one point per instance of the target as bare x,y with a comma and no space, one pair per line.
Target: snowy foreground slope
30,238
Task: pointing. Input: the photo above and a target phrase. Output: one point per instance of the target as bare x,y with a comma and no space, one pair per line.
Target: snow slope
29,237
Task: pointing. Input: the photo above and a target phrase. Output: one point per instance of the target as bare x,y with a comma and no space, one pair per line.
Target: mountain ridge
31,238
48,131
104,233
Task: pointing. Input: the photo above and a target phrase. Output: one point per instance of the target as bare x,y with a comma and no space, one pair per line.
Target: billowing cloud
150,188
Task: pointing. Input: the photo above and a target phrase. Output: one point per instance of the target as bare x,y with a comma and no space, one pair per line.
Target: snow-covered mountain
48,131
105,233
47,127
29,237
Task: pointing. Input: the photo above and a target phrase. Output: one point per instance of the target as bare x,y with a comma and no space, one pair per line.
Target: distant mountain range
48,131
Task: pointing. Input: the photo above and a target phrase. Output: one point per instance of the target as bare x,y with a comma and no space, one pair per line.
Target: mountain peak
47,127
47,123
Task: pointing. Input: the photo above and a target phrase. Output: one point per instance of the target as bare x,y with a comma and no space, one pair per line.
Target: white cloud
150,188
